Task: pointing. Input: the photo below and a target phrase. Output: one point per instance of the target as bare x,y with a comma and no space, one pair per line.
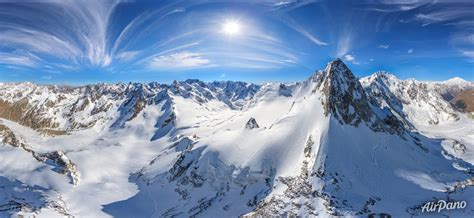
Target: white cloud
443,15
343,45
77,34
286,5
350,58
179,61
253,60
384,46
390,6
85,34
143,23
301,30
371,60
410,51
469,54
127,55
309,36
462,38
18,60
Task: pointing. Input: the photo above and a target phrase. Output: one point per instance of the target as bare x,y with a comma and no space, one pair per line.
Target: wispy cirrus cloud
304,32
445,14
469,54
115,35
252,60
457,13
344,44
428,12
179,61
72,35
462,38
390,6
69,30
287,5
18,60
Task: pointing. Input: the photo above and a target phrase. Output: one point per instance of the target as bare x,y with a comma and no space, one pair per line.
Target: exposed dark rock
252,124
309,146
57,158
284,90
63,164
346,100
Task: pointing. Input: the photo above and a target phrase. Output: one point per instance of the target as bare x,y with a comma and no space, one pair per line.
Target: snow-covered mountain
416,101
330,145
449,89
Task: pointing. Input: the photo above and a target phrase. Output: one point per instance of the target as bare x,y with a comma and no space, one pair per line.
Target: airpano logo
441,205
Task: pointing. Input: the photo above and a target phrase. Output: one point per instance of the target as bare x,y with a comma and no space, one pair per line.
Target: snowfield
332,145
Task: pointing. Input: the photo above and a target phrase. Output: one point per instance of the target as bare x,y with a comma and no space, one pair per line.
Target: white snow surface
187,152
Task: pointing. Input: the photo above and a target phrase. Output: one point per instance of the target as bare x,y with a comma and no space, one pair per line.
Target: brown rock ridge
464,101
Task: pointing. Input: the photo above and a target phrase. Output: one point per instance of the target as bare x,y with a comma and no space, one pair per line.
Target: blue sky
79,42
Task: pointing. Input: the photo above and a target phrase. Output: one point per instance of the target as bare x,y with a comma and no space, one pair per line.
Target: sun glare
231,27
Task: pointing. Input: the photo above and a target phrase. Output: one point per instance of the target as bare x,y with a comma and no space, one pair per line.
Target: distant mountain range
333,144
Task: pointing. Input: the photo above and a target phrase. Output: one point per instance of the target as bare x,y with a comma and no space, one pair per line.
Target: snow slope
415,101
330,145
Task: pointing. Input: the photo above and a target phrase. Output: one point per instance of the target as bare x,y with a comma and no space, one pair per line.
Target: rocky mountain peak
337,70
344,96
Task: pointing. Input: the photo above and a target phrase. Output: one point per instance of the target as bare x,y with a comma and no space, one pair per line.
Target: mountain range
332,145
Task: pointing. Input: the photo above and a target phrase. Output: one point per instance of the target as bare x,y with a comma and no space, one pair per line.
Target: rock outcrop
252,124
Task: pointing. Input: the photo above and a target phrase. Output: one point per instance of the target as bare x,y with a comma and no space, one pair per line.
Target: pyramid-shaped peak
338,70
337,74
337,61
343,95
344,98
337,64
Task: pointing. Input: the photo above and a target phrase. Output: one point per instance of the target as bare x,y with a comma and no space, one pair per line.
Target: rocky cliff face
346,100
344,97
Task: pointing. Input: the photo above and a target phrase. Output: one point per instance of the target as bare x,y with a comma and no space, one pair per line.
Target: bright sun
231,27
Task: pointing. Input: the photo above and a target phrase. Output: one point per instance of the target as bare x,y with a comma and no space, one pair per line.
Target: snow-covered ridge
450,88
332,145
63,108
419,102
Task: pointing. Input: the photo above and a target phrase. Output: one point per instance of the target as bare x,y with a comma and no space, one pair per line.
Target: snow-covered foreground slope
330,145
